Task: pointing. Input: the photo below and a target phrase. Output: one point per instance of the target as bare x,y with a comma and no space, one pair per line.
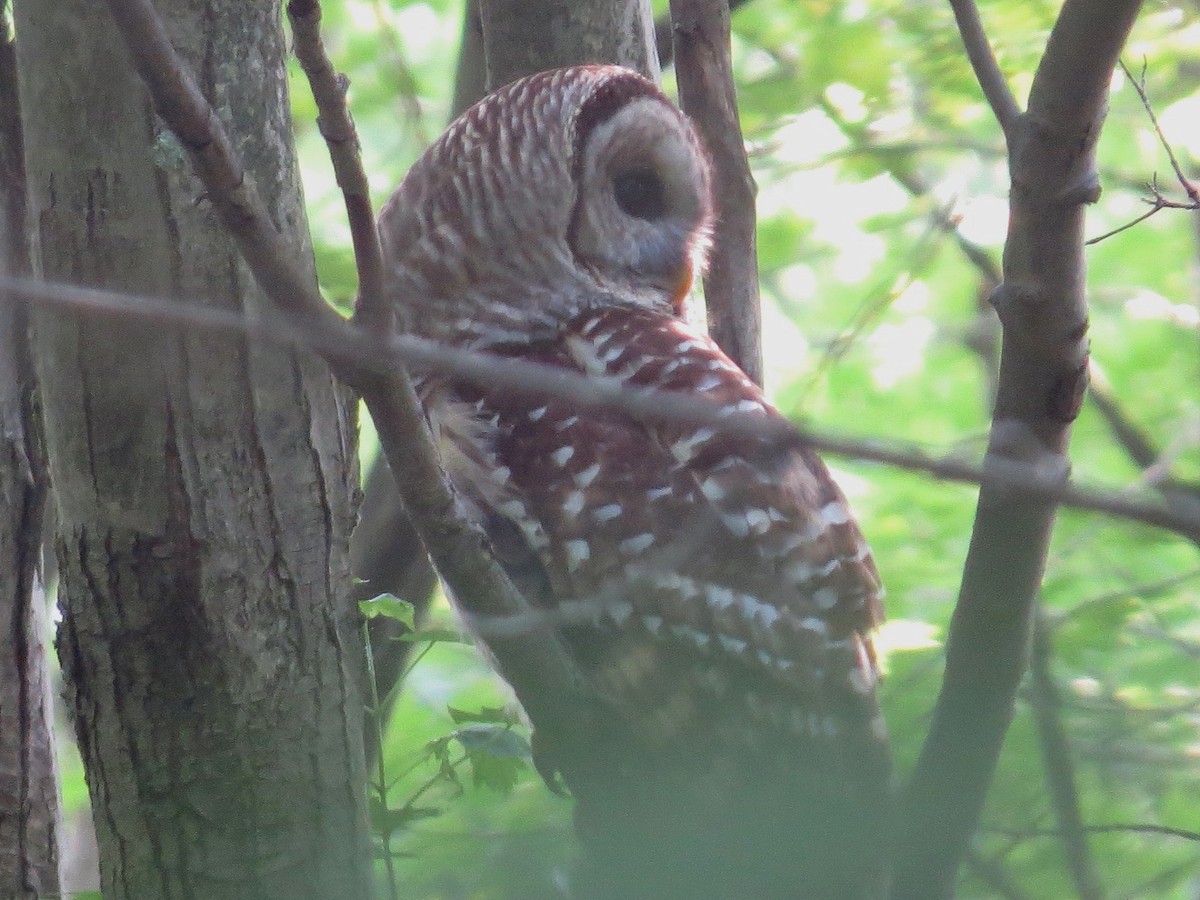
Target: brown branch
1033,477
459,550
385,552
1043,368
983,61
706,92
1059,764
1155,208
345,152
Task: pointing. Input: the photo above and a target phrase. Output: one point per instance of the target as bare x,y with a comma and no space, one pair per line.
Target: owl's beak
682,287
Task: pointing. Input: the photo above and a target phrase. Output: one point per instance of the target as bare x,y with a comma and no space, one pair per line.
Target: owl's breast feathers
712,586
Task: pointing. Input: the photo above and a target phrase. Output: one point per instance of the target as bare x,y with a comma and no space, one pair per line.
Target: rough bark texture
525,37
204,487
29,805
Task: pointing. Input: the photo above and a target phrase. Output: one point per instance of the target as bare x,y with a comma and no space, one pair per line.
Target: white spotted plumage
712,585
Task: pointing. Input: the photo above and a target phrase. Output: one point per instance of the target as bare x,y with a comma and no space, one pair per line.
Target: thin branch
345,152
1043,311
1035,477
706,92
459,550
1112,828
983,61
1154,209
1139,85
1059,764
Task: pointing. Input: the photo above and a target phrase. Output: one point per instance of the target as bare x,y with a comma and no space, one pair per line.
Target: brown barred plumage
713,588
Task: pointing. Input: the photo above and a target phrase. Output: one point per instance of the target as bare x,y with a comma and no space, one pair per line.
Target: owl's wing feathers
706,581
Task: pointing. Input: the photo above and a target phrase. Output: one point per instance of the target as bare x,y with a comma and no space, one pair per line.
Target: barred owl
716,595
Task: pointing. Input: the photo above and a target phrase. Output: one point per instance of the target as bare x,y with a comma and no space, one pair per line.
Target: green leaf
389,606
497,755
499,773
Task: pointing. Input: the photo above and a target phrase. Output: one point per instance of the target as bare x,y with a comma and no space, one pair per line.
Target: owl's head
565,189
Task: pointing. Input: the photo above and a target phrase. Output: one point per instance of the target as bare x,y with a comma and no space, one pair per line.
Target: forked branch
1043,375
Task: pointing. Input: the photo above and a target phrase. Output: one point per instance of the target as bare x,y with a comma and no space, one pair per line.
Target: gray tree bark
29,803
205,488
525,36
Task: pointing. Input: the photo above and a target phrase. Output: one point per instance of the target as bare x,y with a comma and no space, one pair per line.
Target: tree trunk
29,806
205,487
522,38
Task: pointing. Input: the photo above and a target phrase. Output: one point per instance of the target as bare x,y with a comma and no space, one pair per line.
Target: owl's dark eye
640,193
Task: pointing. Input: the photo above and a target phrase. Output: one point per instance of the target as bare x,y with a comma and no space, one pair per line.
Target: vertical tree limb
706,92
1043,370
523,38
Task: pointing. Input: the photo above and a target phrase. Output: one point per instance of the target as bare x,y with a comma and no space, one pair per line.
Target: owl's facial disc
642,209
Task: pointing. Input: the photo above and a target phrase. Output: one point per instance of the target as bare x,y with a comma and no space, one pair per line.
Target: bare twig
1139,85
1060,765
337,128
1036,477
1158,201
983,61
1155,208
1043,368
706,92
1111,828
